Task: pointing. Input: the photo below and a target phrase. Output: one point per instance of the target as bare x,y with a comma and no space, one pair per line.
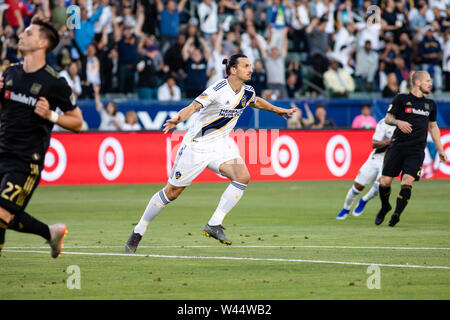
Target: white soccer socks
352,194
154,207
228,200
373,192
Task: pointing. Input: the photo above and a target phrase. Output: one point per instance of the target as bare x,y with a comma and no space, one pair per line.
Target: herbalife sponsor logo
19,97
230,113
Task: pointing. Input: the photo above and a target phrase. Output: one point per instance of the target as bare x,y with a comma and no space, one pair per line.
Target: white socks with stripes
154,207
373,192
229,199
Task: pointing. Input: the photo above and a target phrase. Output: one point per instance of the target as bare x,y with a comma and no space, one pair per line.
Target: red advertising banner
147,157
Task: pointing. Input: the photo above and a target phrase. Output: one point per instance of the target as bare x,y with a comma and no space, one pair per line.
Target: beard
425,90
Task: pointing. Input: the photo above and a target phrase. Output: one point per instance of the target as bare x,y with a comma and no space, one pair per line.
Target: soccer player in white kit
205,145
370,171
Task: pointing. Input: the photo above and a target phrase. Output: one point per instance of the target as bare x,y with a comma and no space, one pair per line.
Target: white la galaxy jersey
221,109
383,131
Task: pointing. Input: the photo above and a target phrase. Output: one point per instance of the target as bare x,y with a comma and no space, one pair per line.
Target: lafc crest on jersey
35,88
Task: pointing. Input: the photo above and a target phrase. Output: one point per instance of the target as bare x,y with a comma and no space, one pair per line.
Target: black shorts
403,159
18,180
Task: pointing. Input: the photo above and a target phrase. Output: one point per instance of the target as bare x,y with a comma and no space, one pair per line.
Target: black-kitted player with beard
29,94
413,114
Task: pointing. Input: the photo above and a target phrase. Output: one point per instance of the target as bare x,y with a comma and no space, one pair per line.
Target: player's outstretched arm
436,136
182,116
71,120
262,104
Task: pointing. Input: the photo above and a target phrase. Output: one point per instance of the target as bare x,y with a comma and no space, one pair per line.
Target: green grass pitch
287,244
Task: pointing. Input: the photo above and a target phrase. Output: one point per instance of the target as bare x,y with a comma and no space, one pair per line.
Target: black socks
385,192
23,222
403,198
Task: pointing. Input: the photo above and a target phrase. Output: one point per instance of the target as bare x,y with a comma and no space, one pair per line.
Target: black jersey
23,133
418,112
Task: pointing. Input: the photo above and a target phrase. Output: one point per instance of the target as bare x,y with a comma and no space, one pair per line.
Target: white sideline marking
238,258
239,246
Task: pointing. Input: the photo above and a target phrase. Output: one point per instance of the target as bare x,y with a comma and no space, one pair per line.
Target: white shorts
193,157
370,170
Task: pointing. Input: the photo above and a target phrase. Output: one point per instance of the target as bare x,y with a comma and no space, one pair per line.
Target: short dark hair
232,61
48,31
320,106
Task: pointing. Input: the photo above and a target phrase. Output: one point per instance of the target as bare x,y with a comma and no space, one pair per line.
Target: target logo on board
338,155
444,167
110,158
284,156
55,161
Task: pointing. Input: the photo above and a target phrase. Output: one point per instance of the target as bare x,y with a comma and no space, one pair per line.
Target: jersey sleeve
396,106
208,96
61,96
380,131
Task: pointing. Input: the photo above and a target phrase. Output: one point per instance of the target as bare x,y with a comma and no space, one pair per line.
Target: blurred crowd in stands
170,50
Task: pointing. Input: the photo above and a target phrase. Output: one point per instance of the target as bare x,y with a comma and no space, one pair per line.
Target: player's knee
385,181
243,178
407,180
172,192
358,186
5,215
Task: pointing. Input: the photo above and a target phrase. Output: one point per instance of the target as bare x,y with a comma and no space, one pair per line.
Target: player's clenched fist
42,108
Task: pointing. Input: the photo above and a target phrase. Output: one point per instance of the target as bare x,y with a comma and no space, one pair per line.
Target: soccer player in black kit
413,114
29,94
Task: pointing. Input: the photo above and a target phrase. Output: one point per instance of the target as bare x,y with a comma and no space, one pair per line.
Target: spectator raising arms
110,118
297,121
170,21
209,17
127,39
148,68
196,53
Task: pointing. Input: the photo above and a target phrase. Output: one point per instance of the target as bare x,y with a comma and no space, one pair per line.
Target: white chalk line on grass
237,259
240,246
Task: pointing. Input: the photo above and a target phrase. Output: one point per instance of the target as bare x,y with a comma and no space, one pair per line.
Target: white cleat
57,233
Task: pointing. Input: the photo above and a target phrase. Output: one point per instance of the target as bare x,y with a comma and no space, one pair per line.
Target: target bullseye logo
284,156
338,155
445,140
110,158
55,161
